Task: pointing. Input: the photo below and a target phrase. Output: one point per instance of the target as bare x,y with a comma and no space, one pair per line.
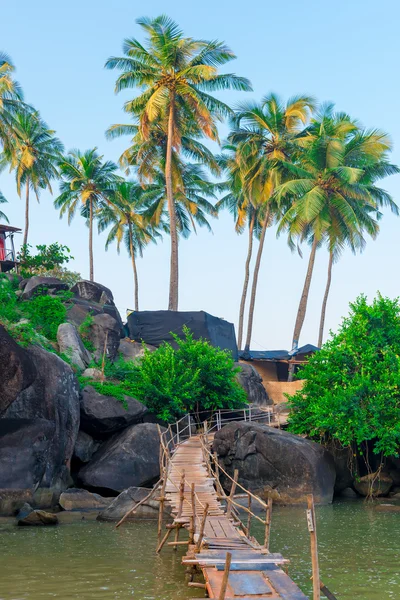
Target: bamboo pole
181,501
224,585
249,515
314,547
202,526
161,506
192,531
230,498
166,536
132,510
327,592
268,515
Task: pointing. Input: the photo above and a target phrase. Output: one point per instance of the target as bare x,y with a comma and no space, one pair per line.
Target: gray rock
98,296
348,493
52,397
17,371
104,333
251,382
274,463
80,309
126,501
103,415
130,350
93,374
77,499
40,285
85,447
27,516
129,458
373,485
70,343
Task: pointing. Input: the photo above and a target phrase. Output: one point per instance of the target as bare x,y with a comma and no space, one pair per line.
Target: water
359,549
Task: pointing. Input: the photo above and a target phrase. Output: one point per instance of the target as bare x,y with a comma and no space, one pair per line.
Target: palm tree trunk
135,275
325,300
25,240
255,281
174,273
246,281
301,313
91,240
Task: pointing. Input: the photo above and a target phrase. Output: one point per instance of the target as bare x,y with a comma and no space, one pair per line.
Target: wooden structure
8,258
220,547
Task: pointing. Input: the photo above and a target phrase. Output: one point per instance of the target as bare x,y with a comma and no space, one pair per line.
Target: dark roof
276,354
4,228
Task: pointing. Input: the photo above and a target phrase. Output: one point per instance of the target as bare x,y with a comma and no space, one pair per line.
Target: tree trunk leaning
174,274
325,301
255,281
246,282
25,240
301,313
91,240
135,275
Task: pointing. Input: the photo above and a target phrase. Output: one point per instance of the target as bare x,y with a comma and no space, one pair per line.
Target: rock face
97,299
85,447
251,382
17,371
126,501
70,343
53,397
77,499
104,333
103,415
28,516
374,484
42,285
130,350
129,458
277,464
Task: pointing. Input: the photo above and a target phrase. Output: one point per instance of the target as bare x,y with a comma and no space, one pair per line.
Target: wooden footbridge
222,557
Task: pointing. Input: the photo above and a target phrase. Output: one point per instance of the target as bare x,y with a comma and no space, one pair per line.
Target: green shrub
194,377
84,329
46,313
8,302
351,393
47,259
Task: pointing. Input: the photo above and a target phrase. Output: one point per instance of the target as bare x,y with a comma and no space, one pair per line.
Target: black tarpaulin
155,327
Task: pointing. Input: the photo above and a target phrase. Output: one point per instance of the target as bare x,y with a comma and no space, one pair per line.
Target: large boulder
53,397
85,447
42,285
274,463
98,297
129,458
374,484
104,334
252,383
102,415
77,499
70,344
17,371
28,516
130,350
126,501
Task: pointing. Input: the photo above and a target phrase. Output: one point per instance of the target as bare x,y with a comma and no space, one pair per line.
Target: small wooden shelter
8,257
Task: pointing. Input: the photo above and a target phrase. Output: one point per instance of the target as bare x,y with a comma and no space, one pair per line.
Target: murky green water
359,557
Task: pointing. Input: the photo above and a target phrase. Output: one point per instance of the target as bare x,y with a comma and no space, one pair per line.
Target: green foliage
352,386
8,301
194,377
108,388
46,313
84,329
47,259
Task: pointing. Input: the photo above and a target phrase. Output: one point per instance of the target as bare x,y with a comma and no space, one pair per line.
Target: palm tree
10,99
33,153
332,189
124,212
266,134
86,181
175,74
2,215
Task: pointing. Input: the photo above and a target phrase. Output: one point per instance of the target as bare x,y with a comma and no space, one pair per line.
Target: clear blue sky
346,51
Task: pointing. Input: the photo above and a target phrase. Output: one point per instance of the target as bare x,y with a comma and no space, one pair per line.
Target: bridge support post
314,547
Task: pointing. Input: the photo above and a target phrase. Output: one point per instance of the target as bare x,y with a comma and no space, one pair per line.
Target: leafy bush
84,329
194,377
8,302
352,386
46,313
47,259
